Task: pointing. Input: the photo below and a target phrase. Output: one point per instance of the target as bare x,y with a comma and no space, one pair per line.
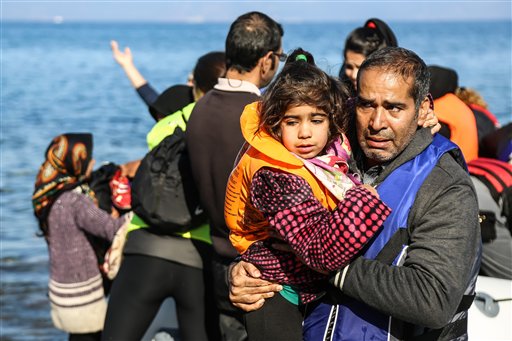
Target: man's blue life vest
354,320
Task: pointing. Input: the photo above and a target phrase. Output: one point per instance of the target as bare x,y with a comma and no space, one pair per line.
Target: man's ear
267,63
423,111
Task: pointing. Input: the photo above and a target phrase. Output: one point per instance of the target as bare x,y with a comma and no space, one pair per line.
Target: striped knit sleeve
94,220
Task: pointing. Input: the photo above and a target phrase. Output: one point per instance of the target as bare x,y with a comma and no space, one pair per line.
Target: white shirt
236,85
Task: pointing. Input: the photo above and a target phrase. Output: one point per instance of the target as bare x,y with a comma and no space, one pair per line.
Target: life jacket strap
458,328
466,302
394,246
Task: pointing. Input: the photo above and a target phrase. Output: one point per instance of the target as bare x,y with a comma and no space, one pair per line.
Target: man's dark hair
250,37
405,63
208,69
301,82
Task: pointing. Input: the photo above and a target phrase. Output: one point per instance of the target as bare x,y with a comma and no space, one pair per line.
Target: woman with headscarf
68,215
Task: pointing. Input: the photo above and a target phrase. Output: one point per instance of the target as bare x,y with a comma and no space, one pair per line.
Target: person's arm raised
125,59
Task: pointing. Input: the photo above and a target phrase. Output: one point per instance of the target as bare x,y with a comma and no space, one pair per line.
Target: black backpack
99,183
164,194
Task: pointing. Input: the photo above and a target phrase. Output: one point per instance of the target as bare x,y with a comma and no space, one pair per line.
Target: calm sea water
62,78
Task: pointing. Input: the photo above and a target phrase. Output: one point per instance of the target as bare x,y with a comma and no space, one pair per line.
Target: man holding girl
416,278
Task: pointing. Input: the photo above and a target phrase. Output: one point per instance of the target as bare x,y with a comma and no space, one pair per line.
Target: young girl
292,182
68,216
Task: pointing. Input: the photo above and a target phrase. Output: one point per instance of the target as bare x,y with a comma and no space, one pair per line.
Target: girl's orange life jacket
246,223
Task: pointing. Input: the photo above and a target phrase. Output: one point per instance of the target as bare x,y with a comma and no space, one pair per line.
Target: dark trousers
85,337
278,319
142,284
230,318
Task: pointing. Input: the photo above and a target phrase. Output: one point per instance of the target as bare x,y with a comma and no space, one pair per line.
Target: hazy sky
227,11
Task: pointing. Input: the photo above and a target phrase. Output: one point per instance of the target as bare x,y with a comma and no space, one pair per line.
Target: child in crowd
68,217
293,182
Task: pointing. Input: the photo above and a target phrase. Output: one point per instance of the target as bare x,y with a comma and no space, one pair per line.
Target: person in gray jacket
390,292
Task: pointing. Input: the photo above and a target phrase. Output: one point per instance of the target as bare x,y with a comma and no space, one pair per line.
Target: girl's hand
114,213
432,122
371,189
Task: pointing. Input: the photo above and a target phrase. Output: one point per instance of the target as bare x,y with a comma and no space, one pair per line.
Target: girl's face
353,62
305,130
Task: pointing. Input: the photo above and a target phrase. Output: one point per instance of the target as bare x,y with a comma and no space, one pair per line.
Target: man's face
271,65
386,118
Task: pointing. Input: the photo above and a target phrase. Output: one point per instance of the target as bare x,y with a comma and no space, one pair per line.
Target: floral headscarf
67,159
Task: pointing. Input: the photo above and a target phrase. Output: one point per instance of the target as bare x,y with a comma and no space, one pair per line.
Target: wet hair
208,69
404,63
301,82
363,40
250,37
373,36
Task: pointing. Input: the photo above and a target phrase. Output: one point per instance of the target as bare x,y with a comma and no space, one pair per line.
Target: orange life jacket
246,223
459,118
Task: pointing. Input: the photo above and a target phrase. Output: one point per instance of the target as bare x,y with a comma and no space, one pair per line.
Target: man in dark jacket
422,289
214,138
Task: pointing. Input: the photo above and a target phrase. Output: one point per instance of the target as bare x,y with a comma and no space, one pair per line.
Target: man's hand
246,290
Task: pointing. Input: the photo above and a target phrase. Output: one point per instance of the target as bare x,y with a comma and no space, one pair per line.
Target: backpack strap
187,111
183,116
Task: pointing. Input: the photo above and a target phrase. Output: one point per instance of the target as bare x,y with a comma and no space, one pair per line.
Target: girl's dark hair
364,40
373,36
208,69
301,82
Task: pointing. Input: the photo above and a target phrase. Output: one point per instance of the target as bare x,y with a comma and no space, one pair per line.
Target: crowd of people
362,206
